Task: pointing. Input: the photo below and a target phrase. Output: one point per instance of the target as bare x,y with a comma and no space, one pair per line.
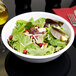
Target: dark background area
36,5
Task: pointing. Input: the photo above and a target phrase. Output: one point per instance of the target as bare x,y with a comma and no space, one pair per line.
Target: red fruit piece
10,37
40,44
26,30
24,51
37,26
32,36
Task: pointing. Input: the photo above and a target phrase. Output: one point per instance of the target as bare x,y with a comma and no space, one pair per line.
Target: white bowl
7,30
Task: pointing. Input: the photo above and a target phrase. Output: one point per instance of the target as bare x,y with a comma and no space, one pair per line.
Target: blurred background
36,5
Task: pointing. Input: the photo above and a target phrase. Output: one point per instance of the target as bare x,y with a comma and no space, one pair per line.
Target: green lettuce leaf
29,25
56,42
31,20
21,41
51,40
20,24
40,22
40,52
32,45
58,48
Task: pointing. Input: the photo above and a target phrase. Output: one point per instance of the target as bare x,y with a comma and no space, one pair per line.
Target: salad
38,37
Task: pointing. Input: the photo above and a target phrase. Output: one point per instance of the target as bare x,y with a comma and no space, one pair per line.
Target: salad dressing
3,13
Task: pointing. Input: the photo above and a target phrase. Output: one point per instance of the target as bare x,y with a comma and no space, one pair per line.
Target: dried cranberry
26,30
10,37
24,51
40,44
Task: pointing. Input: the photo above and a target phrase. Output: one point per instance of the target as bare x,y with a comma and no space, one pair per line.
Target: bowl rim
40,57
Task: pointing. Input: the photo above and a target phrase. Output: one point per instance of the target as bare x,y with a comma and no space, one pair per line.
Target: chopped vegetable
45,45
63,38
41,29
39,37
